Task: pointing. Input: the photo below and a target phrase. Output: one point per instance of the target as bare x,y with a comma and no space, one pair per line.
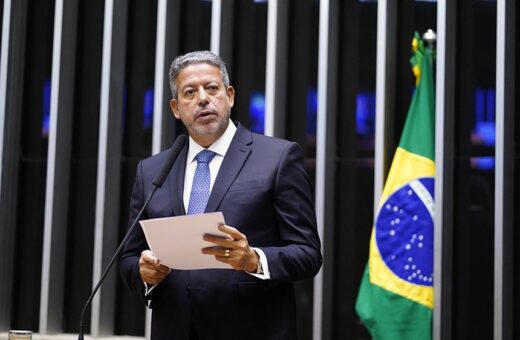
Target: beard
215,127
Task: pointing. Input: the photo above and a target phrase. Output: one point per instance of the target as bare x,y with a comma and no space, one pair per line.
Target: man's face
203,102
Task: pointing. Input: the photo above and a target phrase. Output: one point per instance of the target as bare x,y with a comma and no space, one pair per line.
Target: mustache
204,111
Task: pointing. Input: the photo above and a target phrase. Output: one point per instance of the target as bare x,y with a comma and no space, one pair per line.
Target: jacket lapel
233,162
176,183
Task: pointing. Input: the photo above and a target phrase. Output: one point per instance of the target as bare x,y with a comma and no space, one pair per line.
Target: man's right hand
152,272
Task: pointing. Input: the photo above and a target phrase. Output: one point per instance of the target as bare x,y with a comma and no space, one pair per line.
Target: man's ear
231,95
174,104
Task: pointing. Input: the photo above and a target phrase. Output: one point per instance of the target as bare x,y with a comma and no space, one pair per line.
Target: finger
216,251
151,276
148,256
157,275
233,232
219,240
163,269
145,267
222,255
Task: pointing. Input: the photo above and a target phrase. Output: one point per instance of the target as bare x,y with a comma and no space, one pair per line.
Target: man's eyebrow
181,89
205,83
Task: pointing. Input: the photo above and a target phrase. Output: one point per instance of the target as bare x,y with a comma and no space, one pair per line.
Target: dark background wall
243,46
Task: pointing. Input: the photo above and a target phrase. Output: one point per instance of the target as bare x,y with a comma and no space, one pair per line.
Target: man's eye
213,88
189,93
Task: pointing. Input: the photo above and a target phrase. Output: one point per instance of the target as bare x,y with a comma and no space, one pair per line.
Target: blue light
257,111
484,130
312,112
366,113
148,108
486,133
46,102
483,163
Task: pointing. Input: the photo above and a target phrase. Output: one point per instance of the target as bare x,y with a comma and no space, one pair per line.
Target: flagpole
430,37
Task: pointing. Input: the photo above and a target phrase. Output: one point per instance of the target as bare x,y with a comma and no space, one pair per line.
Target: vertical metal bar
216,17
51,159
58,167
7,236
385,93
148,324
444,146
11,94
439,163
6,26
270,67
11,75
323,58
276,60
158,102
109,162
380,136
325,164
499,172
504,171
102,159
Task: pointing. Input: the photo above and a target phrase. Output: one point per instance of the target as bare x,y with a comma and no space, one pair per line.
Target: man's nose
203,96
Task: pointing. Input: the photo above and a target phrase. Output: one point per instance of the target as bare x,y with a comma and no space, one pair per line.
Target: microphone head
175,149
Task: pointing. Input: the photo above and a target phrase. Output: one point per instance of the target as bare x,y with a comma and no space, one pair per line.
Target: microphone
157,182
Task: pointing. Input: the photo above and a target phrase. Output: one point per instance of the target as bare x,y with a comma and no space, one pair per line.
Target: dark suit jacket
263,191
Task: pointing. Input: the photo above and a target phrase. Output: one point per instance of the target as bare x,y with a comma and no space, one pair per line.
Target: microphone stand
111,263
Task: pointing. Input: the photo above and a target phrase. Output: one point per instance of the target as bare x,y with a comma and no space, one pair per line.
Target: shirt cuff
265,266
148,290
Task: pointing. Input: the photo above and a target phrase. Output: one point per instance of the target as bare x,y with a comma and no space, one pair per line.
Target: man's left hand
234,250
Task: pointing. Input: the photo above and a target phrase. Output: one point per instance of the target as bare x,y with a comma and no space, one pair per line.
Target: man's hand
234,250
152,272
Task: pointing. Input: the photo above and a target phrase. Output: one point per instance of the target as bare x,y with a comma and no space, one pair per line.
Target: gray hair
197,57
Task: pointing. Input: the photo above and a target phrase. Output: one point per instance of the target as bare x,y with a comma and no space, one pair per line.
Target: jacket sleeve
299,255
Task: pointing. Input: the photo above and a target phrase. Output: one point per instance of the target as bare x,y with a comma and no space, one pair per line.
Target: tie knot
205,156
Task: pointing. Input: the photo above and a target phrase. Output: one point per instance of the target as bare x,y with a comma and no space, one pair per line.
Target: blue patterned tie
201,183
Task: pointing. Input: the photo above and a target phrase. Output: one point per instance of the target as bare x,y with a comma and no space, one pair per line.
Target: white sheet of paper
177,241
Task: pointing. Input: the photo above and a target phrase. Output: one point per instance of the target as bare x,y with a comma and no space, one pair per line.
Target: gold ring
226,253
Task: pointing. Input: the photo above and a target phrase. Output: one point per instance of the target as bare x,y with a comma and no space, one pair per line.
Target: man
260,185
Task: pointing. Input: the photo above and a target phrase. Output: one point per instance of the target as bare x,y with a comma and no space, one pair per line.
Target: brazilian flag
395,300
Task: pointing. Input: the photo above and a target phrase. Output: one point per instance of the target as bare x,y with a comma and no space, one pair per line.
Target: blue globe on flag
404,231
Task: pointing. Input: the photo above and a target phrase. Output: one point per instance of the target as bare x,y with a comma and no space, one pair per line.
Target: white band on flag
424,195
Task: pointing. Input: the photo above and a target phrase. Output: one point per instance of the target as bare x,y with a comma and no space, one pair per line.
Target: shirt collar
220,146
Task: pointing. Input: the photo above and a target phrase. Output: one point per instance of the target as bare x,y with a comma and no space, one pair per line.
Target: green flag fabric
395,299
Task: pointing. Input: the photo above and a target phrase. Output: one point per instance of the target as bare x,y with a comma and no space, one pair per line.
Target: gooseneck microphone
157,182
